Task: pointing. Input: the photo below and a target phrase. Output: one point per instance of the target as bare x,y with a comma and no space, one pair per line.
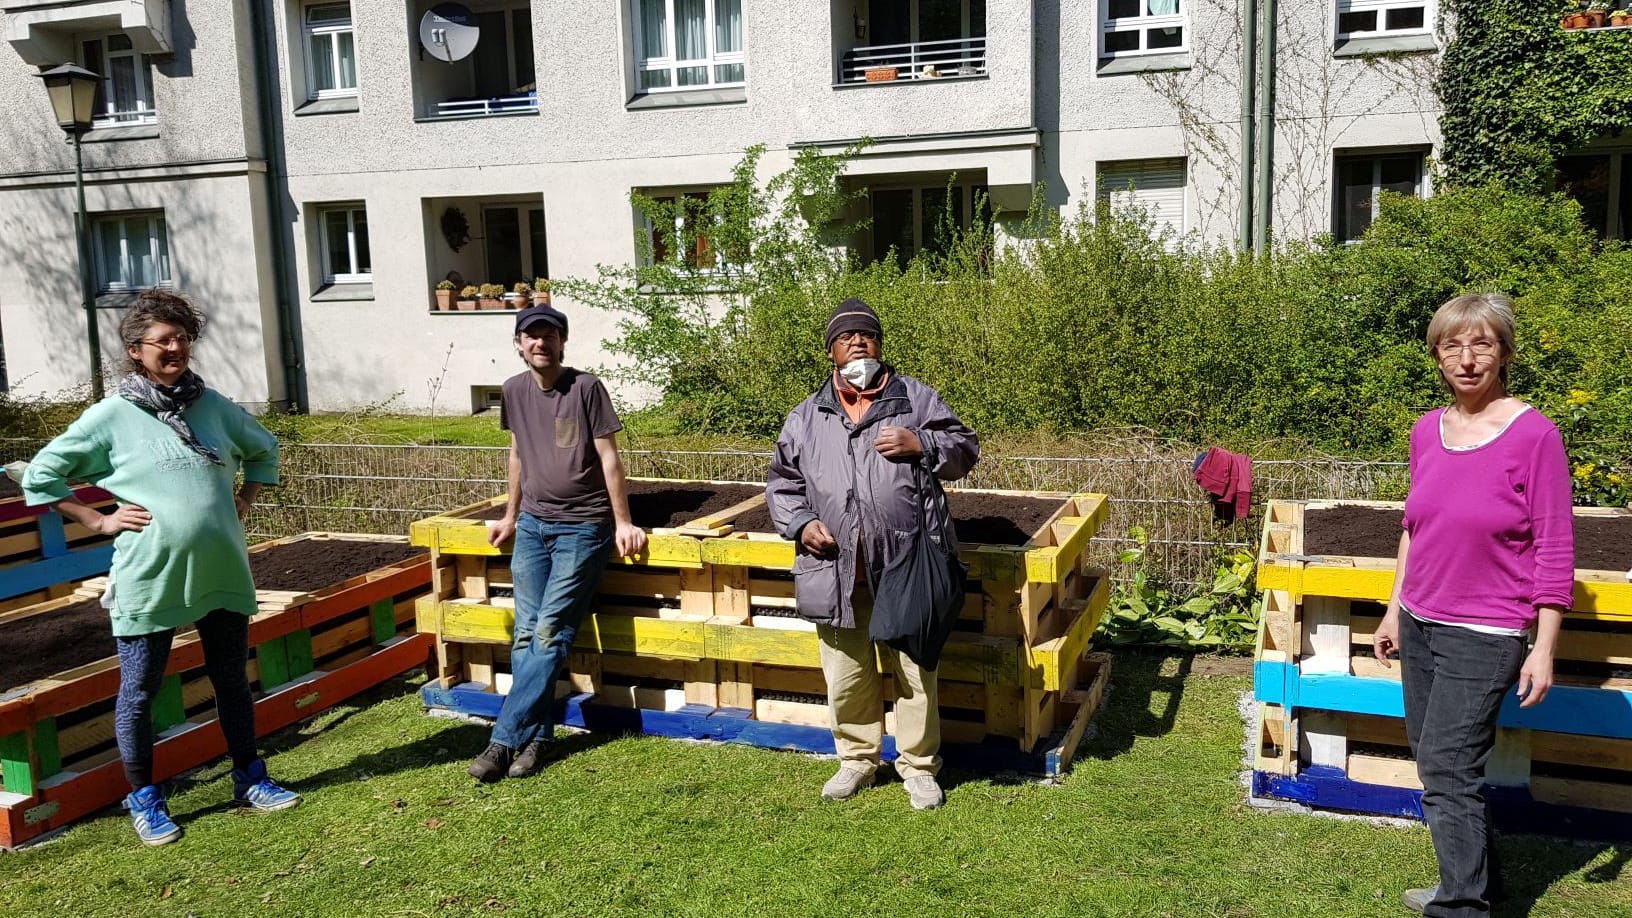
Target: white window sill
530,113
724,95
1384,44
123,299
1144,63
333,106
112,132
346,292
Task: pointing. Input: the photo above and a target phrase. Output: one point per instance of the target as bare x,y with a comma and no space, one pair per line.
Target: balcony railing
956,57
481,108
126,118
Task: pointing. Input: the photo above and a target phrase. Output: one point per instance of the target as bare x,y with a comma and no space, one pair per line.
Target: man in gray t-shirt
568,510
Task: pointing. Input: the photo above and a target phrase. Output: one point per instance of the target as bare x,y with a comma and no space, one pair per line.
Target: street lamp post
72,89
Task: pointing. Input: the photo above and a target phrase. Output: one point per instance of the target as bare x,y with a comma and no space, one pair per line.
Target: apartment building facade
310,170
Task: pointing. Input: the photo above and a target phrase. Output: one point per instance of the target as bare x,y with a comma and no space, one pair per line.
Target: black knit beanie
853,315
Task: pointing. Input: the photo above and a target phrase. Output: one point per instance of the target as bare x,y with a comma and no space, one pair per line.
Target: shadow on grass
1530,869
1147,685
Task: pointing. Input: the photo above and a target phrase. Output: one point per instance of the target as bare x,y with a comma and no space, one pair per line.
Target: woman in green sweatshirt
170,450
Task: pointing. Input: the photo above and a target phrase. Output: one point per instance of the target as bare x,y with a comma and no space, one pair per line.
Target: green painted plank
384,616
16,766
168,707
273,657
300,652
45,747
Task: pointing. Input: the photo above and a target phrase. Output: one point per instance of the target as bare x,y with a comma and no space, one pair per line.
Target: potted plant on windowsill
444,296
467,298
492,297
1598,14
541,291
881,74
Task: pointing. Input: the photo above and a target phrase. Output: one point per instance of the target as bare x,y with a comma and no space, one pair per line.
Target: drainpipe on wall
267,100
1249,81
1266,129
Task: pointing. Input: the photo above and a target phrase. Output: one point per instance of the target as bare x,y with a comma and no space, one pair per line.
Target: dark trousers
225,636
1455,680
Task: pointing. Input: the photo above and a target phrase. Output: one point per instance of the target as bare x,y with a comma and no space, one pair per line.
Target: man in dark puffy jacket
845,486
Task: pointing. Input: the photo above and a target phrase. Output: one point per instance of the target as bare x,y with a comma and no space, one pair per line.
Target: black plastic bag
920,594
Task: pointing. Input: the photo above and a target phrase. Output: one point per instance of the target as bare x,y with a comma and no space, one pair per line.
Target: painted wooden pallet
1316,676
62,723
69,795
42,552
654,712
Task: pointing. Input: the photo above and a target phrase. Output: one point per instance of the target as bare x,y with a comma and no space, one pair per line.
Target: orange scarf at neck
857,401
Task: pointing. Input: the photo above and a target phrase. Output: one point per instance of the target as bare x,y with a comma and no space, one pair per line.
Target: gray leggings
225,635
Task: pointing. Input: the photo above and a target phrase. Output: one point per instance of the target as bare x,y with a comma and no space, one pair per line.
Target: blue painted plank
1567,708
53,536
731,725
37,575
1512,808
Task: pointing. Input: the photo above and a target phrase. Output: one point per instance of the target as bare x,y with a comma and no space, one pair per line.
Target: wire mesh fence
371,488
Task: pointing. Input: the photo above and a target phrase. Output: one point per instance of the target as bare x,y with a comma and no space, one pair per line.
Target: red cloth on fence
1227,478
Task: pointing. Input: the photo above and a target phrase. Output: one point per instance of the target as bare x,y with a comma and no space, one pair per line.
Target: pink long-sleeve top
1492,538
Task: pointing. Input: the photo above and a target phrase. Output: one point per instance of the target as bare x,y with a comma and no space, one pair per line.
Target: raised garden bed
667,504
980,518
1602,543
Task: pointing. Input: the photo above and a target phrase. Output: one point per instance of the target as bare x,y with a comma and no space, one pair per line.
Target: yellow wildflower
1579,397
1585,470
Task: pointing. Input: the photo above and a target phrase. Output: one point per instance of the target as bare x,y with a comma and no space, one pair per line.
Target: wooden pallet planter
57,757
725,623
42,553
1325,701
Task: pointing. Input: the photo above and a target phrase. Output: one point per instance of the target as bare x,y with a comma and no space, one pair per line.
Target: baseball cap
532,315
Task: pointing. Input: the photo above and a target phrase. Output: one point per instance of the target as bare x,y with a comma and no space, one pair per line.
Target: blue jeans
142,661
555,570
1454,681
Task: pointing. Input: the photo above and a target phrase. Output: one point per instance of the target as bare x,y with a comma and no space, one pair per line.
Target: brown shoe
492,763
532,757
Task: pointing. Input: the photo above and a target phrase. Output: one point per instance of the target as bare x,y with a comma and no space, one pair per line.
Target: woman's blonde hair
1474,310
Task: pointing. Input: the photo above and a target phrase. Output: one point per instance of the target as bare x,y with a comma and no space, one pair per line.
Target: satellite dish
449,32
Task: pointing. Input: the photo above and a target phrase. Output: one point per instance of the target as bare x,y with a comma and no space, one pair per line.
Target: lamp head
72,89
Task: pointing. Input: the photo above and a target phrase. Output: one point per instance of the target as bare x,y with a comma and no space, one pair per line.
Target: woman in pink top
1485,562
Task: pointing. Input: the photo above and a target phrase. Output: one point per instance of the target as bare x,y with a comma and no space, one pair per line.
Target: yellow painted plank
475,622
1604,600
772,555
647,637
1598,599
1051,660
1051,564
668,551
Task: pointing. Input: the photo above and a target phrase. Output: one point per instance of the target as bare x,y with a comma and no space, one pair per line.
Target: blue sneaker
252,788
151,817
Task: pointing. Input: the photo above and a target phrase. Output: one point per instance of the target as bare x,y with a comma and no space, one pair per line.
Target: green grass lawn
1152,822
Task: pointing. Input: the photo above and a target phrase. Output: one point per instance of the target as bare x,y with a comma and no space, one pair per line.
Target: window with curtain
1361,180
125,95
688,44
1373,18
1155,186
344,243
132,251
1131,27
331,52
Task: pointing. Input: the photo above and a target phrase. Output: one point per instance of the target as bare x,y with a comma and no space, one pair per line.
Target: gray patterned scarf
168,402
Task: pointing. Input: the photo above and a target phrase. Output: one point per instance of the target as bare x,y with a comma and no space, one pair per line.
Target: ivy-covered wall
1519,91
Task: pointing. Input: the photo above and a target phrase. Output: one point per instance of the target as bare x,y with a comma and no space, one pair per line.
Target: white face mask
860,372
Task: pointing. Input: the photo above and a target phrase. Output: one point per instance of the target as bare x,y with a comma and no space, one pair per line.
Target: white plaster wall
213,230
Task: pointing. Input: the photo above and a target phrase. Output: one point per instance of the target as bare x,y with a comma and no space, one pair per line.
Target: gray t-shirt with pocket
555,431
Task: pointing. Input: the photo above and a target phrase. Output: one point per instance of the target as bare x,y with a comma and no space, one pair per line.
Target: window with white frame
1132,27
125,95
1361,180
923,218
344,244
331,51
132,251
1377,18
1155,186
688,44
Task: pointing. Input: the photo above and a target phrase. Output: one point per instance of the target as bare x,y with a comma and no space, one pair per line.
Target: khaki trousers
855,699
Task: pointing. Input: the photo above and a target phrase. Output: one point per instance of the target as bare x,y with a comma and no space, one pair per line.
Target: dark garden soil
1601,543
49,643
9,488
980,519
665,505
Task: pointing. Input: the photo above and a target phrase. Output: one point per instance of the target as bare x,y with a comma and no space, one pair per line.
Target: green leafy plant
1597,478
444,285
1146,611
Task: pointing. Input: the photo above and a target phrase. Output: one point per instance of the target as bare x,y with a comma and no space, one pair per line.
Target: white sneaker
846,783
924,792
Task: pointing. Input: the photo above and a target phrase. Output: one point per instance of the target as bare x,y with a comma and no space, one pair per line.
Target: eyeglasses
850,336
1450,350
171,342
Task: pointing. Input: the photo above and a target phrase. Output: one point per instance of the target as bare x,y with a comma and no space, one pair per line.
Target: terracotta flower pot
465,305
444,300
1596,19
541,297
881,74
